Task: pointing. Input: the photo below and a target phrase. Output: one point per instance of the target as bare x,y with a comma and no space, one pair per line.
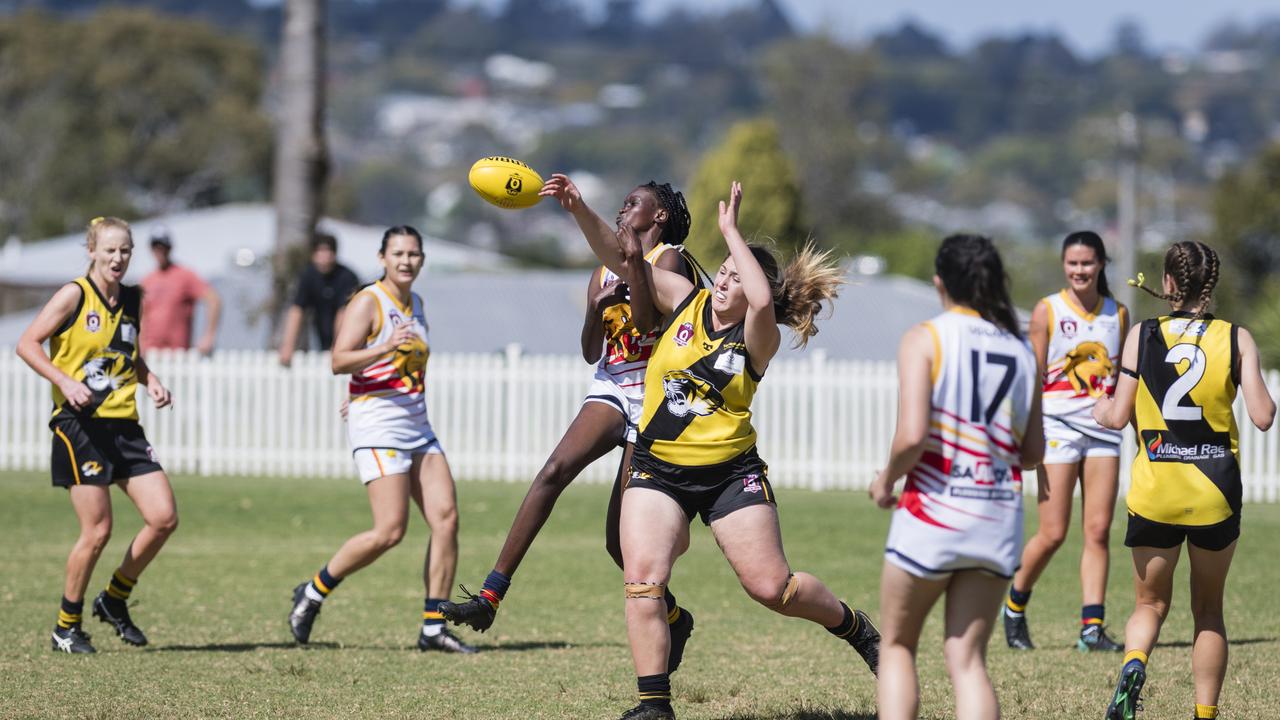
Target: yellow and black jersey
698,390
98,345
1187,471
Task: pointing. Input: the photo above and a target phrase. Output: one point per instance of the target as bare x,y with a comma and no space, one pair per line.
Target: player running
969,424
383,342
95,366
618,335
1078,351
1180,375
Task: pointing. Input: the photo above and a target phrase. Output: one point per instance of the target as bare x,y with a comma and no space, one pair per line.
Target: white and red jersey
626,350
961,508
1082,361
388,398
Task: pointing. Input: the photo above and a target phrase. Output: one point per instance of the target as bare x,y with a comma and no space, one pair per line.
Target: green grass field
215,601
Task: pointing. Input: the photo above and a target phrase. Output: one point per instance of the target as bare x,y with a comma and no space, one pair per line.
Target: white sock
312,594
433,629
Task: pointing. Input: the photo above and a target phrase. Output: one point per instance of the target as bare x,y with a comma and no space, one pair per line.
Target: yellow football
505,182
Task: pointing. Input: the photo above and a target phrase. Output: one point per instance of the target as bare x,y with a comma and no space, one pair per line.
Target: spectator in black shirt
323,289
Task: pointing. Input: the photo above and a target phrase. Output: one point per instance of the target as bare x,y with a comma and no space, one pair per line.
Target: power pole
301,158
1126,201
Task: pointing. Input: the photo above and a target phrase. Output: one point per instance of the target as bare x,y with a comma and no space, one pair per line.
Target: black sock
1016,603
497,583
655,690
1093,614
673,609
848,624
70,613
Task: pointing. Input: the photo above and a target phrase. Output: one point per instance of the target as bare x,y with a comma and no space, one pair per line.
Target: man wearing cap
169,297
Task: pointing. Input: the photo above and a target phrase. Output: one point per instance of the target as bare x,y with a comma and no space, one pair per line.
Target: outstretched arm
600,236
761,328
663,288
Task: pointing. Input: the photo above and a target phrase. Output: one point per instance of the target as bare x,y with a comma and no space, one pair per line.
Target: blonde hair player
696,452
383,343
1078,352
1179,377
95,366
969,424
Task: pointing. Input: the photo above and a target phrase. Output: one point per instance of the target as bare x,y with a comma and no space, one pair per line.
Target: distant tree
910,41
1246,234
146,114
751,153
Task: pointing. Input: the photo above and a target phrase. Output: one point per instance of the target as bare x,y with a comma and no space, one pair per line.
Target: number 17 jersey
961,508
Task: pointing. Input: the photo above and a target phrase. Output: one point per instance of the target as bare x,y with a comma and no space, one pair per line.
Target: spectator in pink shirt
169,297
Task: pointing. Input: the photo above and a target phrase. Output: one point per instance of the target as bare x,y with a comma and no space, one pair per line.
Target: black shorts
1149,533
98,451
712,491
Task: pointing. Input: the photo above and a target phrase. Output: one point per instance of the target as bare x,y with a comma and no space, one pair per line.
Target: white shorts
607,392
373,463
1064,445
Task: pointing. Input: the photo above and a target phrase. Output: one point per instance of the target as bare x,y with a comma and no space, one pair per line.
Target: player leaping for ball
618,336
696,452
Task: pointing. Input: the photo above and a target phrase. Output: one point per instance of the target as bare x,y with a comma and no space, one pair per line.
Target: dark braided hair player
618,334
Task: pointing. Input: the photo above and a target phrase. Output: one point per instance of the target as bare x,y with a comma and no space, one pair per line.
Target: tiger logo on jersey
1088,367
105,373
689,394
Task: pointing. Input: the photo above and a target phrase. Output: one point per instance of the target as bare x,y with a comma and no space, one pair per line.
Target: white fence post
512,380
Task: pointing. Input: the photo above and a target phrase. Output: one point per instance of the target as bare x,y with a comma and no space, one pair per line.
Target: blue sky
1088,24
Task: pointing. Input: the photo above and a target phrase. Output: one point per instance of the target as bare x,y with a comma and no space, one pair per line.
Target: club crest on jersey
751,484
396,320
684,334
1068,327
93,321
688,394
91,468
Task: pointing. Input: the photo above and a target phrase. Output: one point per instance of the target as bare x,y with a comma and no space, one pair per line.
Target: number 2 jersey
1081,363
1187,469
961,508
388,398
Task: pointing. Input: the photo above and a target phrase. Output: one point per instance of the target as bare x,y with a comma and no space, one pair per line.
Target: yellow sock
1206,712
1135,655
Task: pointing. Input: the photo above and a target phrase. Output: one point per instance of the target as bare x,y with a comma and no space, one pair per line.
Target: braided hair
1194,269
676,229
973,274
801,288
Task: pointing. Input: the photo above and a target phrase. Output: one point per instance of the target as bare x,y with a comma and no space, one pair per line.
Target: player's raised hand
729,212
402,335
560,187
629,244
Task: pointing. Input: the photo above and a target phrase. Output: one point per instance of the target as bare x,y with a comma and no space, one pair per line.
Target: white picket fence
823,424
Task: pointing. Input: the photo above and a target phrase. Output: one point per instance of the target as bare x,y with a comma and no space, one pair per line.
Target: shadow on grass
243,647
1230,641
807,715
549,645
251,647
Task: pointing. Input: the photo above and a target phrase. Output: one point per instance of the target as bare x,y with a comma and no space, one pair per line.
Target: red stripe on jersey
985,430
912,501
959,447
